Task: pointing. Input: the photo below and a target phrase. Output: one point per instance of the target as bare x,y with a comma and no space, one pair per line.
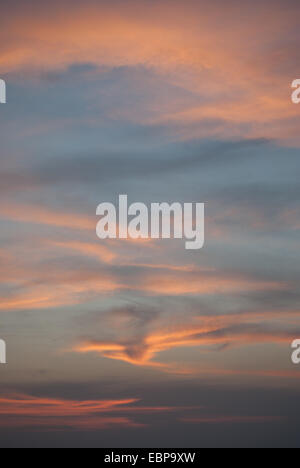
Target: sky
141,343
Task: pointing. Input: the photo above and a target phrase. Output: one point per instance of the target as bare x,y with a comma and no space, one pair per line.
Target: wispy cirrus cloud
22,411
26,411
53,281
232,75
146,348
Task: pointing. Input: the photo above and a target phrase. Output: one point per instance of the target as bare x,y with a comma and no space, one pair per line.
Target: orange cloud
27,411
230,64
231,330
199,282
25,405
96,251
39,288
50,413
41,215
36,286
38,214
41,413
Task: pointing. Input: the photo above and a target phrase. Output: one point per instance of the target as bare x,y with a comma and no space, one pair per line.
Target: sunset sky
123,343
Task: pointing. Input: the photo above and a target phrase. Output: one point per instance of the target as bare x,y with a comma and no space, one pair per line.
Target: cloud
38,214
70,271
104,165
229,64
56,279
25,411
199,282
22,411
272,207
223,331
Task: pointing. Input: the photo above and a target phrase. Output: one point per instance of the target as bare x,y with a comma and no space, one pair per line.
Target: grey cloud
108,165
